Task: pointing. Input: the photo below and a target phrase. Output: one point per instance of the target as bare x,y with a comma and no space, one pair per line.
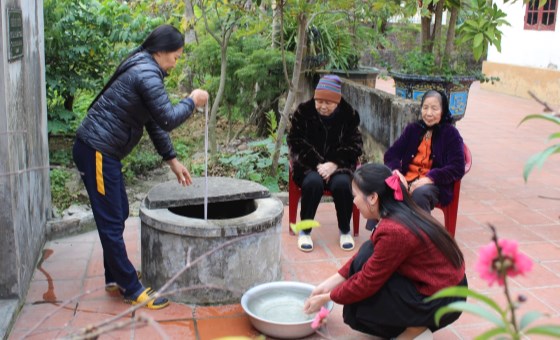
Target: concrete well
173,225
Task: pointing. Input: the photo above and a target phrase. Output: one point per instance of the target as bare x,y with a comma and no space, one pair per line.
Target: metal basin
276,309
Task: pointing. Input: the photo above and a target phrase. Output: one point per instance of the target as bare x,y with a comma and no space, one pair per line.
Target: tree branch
547,107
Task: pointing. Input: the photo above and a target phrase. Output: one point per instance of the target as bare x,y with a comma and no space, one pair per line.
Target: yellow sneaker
146,295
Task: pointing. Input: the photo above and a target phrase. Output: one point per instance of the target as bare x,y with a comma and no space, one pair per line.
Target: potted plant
437,61
333,47
365,75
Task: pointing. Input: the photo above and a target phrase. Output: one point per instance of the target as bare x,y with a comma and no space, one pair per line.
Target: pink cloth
394,183
318,320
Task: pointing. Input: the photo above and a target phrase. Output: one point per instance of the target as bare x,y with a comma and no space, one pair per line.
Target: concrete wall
383,116
529,59
519,80
521,47
24,163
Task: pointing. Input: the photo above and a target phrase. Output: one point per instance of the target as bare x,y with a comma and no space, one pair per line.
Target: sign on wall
15,34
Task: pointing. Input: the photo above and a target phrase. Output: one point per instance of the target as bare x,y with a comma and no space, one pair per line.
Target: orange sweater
422,162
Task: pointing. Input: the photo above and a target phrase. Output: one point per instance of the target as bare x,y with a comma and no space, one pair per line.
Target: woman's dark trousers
340,186
104,183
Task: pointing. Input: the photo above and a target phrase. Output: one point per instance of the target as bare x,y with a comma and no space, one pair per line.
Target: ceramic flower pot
363,75
457,89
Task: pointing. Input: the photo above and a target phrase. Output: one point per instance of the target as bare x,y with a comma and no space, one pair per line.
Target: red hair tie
394,183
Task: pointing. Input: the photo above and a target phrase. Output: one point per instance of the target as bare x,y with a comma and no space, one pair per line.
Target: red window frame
541,19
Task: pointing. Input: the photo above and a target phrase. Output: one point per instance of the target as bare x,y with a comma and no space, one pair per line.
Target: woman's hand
326,169
418,183
322,293
314,303
199,97
183,175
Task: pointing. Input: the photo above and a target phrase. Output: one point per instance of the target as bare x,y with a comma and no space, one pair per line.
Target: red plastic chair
294,194
450,210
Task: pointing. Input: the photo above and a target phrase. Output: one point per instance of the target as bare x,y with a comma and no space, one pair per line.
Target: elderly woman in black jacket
325,144
133,99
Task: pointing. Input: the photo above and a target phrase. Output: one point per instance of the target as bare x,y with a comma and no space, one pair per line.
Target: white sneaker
305,243
346,242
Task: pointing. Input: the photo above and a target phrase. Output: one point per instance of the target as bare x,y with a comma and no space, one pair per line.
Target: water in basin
281,307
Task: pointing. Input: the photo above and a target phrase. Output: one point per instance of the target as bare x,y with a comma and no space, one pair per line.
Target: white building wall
526,47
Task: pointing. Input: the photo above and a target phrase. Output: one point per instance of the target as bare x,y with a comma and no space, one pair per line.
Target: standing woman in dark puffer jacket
132,99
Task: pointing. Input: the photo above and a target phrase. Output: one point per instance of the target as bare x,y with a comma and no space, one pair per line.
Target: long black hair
164,38
370,178
445,112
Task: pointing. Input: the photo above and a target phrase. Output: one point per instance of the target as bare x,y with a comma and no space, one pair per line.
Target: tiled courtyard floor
493,192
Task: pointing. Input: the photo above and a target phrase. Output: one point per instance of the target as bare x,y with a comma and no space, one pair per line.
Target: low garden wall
383,116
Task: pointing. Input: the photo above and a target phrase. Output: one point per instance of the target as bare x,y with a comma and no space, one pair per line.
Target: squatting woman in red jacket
410,256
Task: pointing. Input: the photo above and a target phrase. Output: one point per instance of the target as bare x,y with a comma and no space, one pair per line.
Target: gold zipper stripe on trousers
99,173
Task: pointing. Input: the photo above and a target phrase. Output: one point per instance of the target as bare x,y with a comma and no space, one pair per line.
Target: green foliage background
86,39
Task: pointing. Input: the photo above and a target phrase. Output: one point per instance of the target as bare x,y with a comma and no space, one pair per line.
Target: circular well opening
217,210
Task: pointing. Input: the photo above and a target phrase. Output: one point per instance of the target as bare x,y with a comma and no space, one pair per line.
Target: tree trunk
223,41
436,36
190,38
426,38
230,123
190,34
450,40
294,86
218,99
276,29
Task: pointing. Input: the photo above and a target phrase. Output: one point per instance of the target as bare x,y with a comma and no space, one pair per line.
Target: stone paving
492,192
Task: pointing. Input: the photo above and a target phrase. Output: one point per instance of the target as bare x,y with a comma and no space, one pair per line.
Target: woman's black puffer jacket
136,99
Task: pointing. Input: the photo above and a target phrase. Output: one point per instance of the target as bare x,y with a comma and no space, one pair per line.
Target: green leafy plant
416,62
84,41
452,47
482,27
254,81
196,169
181,149
61,197
330,45
336,37
272,124
255,164
538,159
497,261
140,161
61,157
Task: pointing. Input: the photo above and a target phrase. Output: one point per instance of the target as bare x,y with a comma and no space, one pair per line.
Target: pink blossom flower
492,270
318,320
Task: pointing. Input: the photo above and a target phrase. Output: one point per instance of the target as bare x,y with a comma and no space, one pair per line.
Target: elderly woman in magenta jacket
429,157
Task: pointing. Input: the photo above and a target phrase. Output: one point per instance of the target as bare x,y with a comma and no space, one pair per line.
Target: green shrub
181,149
61,197
140,162
255,163
84,41
61,157
81,104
